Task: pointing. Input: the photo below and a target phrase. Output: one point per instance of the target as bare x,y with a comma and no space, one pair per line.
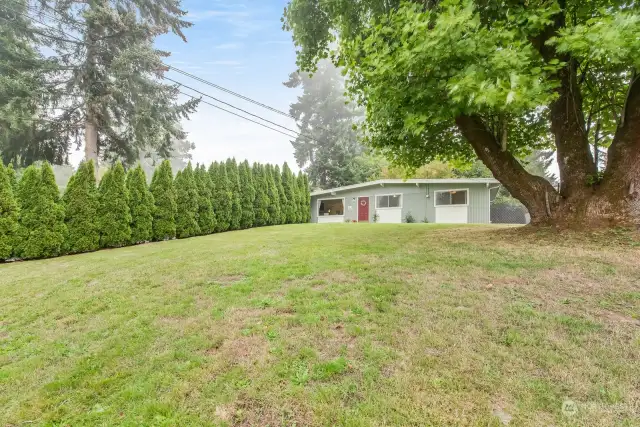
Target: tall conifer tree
164,196
234,187
141,204
41,230
289,191
114,216
261,202
111,80
283,202
274,197
206,217
13,180
222,199
307,198
81,210
9,214
187,204
303,203
247,194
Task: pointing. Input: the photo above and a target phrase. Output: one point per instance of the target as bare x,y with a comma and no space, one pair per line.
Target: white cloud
276,42
224,62
214,14
228,46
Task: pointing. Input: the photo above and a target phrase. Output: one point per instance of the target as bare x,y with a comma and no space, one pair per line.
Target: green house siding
417,199
479,203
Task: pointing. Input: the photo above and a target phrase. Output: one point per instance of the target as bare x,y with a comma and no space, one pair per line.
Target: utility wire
235,114
230,105
229,91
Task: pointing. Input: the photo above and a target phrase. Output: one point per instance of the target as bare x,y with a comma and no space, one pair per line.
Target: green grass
341,324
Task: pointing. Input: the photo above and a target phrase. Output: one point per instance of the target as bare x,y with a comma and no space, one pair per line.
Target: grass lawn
340,324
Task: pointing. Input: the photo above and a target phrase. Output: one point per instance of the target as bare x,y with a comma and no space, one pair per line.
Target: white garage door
389,208
452,206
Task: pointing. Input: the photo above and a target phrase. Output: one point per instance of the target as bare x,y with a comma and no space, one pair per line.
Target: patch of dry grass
388,325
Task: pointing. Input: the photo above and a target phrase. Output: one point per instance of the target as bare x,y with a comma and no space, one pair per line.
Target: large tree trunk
579,203
615,202
91,128
90,139
619,193
535,193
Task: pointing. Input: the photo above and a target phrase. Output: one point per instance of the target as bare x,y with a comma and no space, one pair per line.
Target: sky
240,45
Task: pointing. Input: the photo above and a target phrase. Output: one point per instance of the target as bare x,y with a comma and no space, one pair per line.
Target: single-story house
393,200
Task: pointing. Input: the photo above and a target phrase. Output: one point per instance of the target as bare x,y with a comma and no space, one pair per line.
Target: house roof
409,182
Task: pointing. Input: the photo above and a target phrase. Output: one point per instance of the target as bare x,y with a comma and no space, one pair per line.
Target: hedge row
35,222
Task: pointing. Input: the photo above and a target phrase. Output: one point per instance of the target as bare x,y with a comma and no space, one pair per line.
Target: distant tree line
122,210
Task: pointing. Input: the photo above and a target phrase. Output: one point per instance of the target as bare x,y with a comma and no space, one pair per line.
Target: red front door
363,209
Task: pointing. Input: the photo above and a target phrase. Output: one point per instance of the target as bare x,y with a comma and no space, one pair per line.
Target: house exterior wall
479,209
414,200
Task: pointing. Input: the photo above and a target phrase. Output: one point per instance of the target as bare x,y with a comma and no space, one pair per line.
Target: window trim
392,194
435,197
344,206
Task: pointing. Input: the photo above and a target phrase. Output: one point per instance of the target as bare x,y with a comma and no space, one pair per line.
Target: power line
229,91
238,115
231,105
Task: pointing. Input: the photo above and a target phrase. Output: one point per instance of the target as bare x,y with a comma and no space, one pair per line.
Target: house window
331,207
389,201
451,197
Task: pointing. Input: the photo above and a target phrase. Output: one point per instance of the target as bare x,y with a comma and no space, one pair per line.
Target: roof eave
408,181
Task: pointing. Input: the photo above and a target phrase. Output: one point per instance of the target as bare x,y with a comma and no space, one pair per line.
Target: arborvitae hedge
41,230
234,187
275,213
303,203
36,223
13,180
307,199
261,202
9,214
282,198
141,205
222,197
206,217
247,195
289,187
187,204
81,211
164,197
114,216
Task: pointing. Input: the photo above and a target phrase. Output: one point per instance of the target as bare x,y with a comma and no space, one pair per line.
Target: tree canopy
456,79
96,75
327,148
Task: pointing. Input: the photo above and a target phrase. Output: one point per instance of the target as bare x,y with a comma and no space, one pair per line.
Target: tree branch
575,159
533,191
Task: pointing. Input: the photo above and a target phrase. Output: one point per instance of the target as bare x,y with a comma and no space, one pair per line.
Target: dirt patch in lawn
338,277
246,351
617,318
253,412
228,280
